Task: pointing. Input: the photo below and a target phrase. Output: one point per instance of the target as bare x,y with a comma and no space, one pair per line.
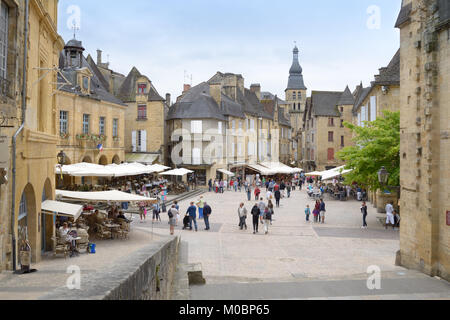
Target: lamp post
61,161
383,176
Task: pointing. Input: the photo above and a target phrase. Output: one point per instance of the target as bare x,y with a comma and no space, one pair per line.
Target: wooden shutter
133,140
143,141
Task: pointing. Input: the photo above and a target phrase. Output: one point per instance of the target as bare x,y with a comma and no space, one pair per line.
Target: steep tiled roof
127,91
98,91
97,72
391,74
197,103
324,103
404,15
347,98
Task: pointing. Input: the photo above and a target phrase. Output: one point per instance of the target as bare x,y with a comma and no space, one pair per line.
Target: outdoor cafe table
112,226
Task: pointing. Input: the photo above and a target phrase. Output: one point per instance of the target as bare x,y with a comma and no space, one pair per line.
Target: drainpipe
14,139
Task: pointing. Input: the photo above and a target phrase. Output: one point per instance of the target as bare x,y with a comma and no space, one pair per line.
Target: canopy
62,209
226,172
145,158
102,196
158,168
314,174
334,173
262,170
280,168
112,170
176,172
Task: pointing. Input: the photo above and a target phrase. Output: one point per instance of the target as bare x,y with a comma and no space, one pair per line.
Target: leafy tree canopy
377,144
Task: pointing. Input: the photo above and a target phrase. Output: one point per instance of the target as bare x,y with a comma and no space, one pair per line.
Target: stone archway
27,221
87,159
103,161
116,159
46,221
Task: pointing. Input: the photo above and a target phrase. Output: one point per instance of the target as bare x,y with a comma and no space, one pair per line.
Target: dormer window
142,88
85,83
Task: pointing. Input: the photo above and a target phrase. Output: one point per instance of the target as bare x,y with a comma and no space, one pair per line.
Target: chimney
168,102
99,57
256,89
186,88
215,90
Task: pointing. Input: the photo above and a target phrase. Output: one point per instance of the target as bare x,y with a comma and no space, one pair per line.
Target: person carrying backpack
256,214
267,217
172,213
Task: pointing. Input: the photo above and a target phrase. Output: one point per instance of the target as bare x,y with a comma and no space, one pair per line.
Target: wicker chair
60,246
125,229
103,232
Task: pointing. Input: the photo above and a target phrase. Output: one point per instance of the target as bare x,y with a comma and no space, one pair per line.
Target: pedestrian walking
267,218
206,214
210,185
172,213
269,195
192,212
364,213
256,213
242,213
316,211
278,197
322,211
200,205
142,211
270,206
307,213
289,189
390,215
156,212
257,193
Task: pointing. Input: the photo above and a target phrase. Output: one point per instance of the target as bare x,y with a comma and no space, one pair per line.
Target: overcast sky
341,42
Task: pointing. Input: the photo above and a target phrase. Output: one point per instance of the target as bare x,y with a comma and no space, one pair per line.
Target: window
63,117
359,119
85,124
115,128
4,21
142,141
196,156
299,96
330,136
142,112
312,123
239,149
363,116
196,126
233,147
252,124
241,125
294,96
142,88
219,127
330,154
251,148
342,141
294,106
233,125
312,138
342,123
101,125
342,109
86,83
331,122
373,108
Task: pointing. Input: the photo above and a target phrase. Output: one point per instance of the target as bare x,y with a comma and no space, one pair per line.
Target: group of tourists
190,217
318,212
261,213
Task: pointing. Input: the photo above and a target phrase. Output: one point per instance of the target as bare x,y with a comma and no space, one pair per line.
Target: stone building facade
90,120
425,126
383,94
144,120
324,130
36,143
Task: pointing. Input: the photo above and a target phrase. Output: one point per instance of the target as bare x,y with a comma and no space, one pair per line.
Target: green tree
377,144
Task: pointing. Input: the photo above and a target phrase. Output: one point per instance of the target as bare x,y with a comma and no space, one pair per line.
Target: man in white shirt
390,215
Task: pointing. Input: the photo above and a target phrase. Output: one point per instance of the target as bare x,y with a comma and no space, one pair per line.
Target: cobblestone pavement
335,255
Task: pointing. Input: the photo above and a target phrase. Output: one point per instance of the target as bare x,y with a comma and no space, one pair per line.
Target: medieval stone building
425,125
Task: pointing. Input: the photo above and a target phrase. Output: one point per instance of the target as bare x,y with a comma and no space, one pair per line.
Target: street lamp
383,176
61,158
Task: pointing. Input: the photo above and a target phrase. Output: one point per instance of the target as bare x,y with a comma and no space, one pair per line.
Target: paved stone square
298,259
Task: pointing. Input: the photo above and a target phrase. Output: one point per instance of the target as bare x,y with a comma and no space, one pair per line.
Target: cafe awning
176,172
62,209
145,158
226,172
262,170
102,196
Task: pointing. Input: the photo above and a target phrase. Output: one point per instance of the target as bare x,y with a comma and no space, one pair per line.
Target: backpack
170,214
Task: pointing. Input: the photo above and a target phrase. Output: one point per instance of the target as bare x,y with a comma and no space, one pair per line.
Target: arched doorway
103,161
26,221
47,221
116,159
86,180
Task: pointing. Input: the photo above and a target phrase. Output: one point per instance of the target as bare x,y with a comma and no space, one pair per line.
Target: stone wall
147,274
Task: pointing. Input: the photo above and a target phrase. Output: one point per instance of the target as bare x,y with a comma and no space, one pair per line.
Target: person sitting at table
121,216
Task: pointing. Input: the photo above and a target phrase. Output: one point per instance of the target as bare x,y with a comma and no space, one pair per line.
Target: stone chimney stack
186,88
256,88
168,102
99,57
215,90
